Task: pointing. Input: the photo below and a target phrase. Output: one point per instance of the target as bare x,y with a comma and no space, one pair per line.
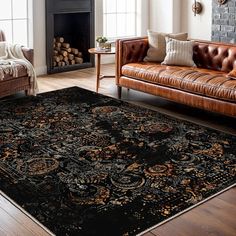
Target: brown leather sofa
206,86
10,85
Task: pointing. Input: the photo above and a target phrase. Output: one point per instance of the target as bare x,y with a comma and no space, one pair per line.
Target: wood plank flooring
215,217
14,221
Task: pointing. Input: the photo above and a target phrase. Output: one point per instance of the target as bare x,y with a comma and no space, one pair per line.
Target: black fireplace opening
70,33
74,29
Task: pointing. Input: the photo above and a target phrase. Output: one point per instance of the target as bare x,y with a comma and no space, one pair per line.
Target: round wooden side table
98,54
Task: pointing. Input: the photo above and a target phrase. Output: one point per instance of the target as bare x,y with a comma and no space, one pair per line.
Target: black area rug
86,164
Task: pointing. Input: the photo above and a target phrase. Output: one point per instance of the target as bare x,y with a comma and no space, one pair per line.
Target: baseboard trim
41,70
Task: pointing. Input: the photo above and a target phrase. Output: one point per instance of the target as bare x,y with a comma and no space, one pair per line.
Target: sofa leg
119,90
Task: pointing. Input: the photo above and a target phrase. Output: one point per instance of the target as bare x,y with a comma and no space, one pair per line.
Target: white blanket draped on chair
10,56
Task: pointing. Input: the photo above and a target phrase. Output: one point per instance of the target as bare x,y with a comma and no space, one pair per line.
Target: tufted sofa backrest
2,36
215,56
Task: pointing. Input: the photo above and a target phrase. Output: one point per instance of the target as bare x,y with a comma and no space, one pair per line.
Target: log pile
64,54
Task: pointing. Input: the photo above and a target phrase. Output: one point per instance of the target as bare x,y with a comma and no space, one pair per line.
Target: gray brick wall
224,22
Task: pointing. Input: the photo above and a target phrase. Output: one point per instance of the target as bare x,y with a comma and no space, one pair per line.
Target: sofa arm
29,54
130,50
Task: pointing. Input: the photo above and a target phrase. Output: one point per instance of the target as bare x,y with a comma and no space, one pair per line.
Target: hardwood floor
215,217
14,221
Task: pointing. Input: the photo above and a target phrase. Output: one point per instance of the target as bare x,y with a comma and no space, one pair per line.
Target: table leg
98,70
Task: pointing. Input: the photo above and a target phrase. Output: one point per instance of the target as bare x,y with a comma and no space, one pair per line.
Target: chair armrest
130,50
2,36
29,54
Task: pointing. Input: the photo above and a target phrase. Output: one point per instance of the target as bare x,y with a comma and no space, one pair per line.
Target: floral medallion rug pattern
86,164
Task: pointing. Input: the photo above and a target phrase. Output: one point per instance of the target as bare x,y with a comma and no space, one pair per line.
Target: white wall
165,15
199,26
176,15
143,17
39,37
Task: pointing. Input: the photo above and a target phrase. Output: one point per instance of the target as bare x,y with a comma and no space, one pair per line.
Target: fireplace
69,34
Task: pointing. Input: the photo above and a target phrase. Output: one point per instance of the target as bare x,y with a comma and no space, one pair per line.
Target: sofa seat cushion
22,72
200,81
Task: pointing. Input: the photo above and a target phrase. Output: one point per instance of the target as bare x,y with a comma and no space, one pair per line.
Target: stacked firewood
64,54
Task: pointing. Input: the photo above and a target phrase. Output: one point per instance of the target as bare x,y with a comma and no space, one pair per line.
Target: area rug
87,164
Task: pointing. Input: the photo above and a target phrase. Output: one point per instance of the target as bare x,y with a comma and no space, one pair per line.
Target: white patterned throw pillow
179,53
